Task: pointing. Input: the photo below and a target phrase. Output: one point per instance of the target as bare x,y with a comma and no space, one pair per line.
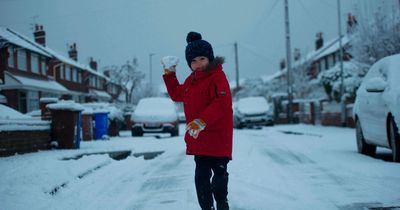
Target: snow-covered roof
328,48
25,42
100,94
20,82
22,41
72,62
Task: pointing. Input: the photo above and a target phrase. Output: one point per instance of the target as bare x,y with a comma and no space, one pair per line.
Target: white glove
170,62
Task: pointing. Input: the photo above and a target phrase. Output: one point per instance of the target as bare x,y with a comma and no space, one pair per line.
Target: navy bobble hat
197,47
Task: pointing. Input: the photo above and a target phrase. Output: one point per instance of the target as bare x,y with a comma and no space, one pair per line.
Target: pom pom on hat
193,36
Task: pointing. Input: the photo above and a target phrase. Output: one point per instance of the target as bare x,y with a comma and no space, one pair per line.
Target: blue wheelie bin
101,124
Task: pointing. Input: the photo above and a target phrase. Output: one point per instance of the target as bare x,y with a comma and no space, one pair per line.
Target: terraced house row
30,70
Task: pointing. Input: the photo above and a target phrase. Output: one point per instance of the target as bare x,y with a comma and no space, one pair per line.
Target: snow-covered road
280,167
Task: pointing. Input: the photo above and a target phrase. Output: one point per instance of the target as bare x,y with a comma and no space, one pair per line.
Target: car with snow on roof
155,115
376,110
252,111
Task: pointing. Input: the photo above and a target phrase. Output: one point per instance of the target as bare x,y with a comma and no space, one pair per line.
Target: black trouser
217,187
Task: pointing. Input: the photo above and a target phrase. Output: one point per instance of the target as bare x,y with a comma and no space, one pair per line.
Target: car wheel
394,140
175,132
136,133
236,124
362,146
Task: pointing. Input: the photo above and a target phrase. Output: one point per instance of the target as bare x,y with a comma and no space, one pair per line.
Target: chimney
282,64
40,35
93,63
297,54
73,53
319,42
351,23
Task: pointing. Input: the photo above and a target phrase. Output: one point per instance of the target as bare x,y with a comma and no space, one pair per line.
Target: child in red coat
207,105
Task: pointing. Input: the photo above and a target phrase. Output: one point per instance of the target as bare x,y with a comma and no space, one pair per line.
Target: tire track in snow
165,187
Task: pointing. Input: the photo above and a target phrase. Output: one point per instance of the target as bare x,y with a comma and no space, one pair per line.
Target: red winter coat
206,95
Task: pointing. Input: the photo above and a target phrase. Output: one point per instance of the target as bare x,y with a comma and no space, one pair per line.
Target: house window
100,84
74,74
79,77
334,58
35,63
11,62
21,60
319,66
68,73
92,81
33,100
43,67
326,63
62,73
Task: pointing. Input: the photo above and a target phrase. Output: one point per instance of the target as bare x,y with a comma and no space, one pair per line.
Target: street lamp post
342,92
151,70
289,64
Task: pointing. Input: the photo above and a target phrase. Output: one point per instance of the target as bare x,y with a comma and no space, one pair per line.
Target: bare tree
127,76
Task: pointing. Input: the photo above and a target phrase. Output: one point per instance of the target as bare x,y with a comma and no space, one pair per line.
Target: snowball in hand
169,61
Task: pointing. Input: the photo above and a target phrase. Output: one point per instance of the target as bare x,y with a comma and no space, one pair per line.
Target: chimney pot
93,63
319,42
40,35
73,53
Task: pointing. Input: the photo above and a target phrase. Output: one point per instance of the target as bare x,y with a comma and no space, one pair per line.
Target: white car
252,111
155,115
377,108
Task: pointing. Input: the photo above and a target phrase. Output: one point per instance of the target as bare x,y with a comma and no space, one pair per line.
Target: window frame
22,60
10,59
35,63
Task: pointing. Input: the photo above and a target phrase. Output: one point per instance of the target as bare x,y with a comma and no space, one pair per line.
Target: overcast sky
115,31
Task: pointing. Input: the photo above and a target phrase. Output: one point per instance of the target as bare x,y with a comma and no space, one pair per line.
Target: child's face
199,63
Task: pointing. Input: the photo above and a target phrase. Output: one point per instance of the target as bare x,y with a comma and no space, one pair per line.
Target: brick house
30,70
24,72
323,57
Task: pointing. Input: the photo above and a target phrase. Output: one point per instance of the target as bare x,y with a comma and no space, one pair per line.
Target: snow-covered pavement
280,167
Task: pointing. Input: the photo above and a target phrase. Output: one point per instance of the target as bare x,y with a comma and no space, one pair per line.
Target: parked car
252,111
37,114
377,108
155,115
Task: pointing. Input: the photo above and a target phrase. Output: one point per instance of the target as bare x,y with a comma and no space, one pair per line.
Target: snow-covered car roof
252,105
155,109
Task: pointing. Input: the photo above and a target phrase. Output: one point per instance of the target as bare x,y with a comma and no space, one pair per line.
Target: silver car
155,115
252,111
377,108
